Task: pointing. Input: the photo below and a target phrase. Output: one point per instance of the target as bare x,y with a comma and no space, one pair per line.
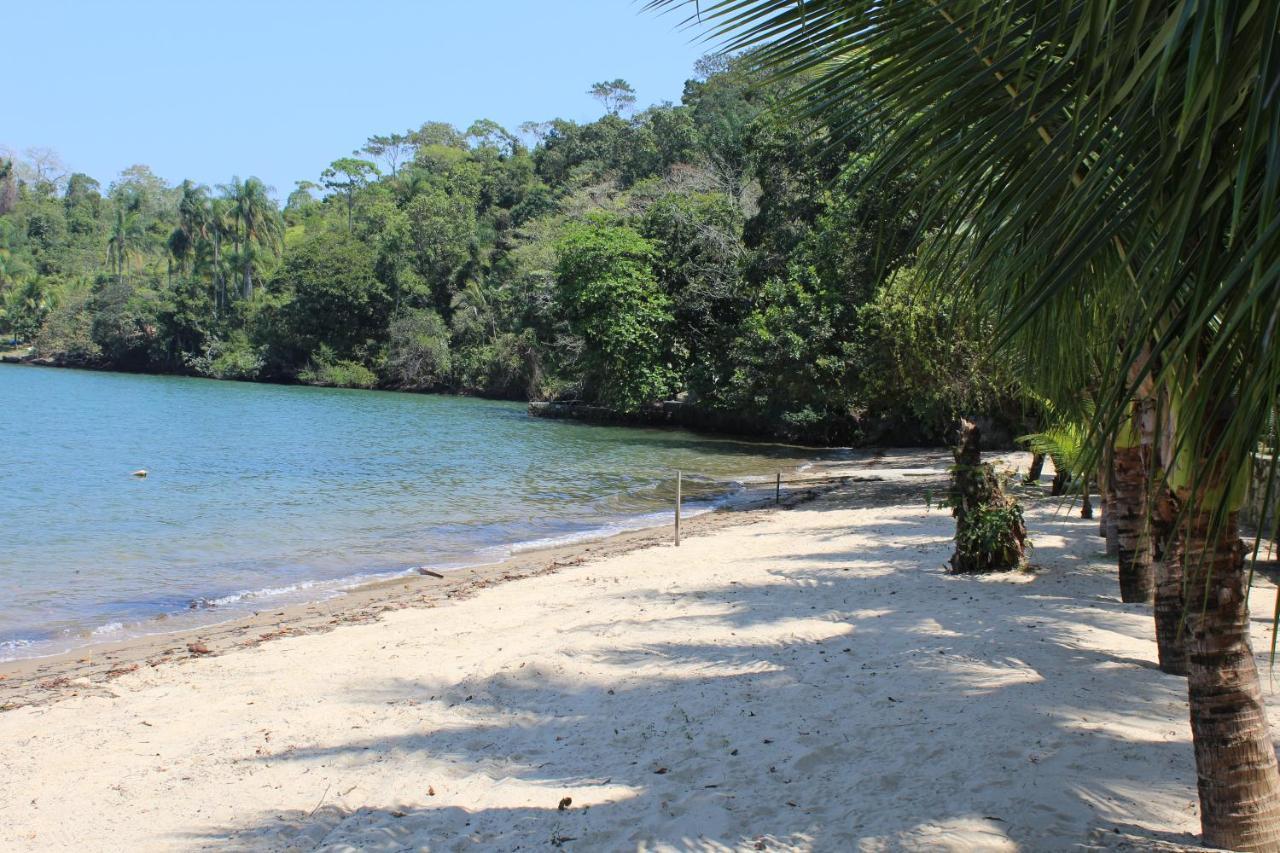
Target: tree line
707,251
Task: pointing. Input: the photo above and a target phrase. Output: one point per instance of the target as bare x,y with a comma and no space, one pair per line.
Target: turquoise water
261,494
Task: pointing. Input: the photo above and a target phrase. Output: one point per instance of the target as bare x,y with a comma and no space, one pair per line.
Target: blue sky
279,88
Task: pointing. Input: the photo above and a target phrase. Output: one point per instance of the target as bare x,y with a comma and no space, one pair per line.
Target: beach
808,677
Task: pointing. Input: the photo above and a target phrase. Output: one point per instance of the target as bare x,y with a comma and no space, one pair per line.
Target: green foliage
24,308
335,299
234,358
418,350
926,360
705,249
125,324
346,175
505,366
441,226
325,369
67,333
608,293
1102,177
789,361
992,528
616,95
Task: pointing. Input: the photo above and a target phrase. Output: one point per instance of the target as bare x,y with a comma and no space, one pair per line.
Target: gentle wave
233,605
264,495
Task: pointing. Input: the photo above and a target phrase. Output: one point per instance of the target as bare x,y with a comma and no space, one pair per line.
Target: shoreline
726,425
224,606
712,697
42,679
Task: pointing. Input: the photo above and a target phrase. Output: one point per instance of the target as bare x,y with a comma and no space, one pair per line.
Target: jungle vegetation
714,251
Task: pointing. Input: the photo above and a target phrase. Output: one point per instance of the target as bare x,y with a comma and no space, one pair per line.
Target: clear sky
279,88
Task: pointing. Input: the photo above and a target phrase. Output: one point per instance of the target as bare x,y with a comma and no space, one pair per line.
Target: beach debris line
423,570
199,648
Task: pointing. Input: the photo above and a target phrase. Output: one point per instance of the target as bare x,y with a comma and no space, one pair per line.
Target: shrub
418,350
234,358
325,370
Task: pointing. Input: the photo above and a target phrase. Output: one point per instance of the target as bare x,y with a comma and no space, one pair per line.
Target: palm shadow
863,705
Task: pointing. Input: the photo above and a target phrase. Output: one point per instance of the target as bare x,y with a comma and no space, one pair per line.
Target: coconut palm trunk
1036,469
990,534
1170,604
1107,497
1132,466
220,296
1236,769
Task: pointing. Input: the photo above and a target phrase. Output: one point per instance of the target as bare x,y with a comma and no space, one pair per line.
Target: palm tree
1063,441
192,229
194,213
219,227
257,224
1086,159
126,237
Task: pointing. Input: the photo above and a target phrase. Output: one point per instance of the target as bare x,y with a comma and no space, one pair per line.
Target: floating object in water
141,472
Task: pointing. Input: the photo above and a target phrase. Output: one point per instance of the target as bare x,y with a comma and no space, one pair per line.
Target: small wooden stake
678,488
777,490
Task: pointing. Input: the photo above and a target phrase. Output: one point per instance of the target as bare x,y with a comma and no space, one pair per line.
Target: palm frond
1119,161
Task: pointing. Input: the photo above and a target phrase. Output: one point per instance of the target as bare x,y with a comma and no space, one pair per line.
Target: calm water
262,494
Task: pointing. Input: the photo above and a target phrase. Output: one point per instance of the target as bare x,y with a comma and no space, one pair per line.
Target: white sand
811,681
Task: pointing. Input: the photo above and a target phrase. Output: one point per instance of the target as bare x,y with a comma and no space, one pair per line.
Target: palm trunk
1037,468
1107,481
1137,575
1236,766
976,497
1104,492
1059,484
1170,605
217,272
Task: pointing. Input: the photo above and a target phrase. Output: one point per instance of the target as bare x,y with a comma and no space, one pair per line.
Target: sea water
257,495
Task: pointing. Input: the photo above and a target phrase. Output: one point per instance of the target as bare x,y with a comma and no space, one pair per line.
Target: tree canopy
696,250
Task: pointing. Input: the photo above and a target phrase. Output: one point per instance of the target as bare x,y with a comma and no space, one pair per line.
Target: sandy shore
809,679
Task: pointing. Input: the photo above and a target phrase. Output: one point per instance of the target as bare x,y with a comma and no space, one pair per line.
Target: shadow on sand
873,706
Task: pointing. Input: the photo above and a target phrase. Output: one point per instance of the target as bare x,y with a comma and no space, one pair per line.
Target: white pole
678,487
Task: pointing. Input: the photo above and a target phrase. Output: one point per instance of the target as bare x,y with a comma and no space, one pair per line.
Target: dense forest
712,251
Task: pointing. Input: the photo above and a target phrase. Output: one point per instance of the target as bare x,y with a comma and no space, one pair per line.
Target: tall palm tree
194,214
192,229
126,239
219,227
1122,154
257,225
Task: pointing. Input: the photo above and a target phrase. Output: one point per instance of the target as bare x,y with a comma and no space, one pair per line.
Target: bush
506,366
235,358
335,297
325,370
418,350
67,333
921,359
